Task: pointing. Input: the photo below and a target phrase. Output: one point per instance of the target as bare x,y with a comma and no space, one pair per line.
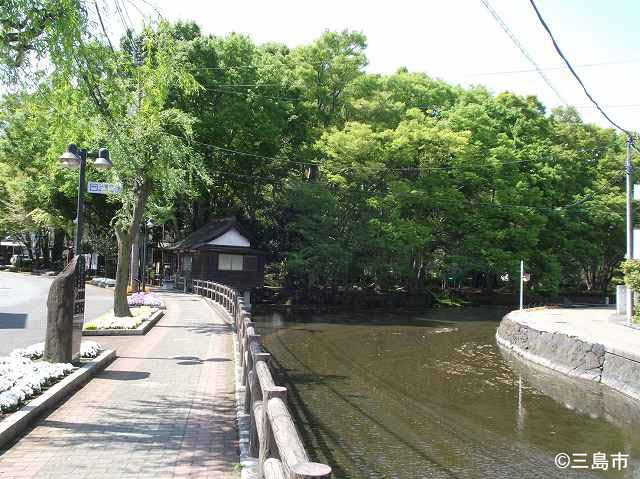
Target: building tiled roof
209,232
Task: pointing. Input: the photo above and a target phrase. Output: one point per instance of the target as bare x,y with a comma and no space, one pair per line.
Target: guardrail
273,437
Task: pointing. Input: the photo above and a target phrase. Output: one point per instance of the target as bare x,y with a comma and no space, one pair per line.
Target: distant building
220,251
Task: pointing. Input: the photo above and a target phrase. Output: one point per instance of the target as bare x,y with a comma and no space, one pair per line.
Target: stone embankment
592,344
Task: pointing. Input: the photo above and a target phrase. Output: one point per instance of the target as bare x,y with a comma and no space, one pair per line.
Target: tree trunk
120,305
135,262
125,235
489,281
46,251
58,247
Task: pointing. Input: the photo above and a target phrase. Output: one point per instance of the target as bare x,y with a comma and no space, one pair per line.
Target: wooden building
220,251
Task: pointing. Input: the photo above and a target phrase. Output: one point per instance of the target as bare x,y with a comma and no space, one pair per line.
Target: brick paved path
164,408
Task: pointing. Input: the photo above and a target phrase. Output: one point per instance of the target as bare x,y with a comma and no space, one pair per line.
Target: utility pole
629,170
521,284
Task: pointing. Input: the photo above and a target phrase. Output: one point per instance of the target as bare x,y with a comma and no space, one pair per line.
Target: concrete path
23,308
163,409
593,325
588,343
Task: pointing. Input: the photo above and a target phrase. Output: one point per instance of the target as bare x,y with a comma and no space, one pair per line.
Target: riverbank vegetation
354,182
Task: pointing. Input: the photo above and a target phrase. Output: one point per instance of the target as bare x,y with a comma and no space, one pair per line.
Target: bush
631,270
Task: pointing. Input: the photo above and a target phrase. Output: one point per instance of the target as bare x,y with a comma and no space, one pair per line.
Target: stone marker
58,346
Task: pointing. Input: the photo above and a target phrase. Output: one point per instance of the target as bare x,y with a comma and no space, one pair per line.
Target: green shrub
631,270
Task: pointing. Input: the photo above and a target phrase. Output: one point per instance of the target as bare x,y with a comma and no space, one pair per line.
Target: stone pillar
58,346
621,299
246,294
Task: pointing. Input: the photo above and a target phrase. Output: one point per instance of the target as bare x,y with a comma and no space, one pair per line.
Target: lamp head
102,162
70,158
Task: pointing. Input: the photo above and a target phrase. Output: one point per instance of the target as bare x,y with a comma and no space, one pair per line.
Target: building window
230,262
186,263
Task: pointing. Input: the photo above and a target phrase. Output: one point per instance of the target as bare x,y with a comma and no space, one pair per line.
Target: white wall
231,238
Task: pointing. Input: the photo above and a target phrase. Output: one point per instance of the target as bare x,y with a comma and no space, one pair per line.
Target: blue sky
455,40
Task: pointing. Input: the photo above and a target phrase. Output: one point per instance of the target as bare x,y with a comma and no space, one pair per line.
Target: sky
458,41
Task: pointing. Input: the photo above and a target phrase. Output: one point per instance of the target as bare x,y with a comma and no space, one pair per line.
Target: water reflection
430,395
582,396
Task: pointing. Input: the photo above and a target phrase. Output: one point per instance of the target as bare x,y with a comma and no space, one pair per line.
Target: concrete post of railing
253,394
242,341
244,328
272,469
257,358
248,363
268,445
245,368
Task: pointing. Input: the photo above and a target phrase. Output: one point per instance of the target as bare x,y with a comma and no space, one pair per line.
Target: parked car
19,259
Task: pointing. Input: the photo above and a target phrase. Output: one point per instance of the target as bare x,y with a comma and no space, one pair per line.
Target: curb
17,422
139,331
573,356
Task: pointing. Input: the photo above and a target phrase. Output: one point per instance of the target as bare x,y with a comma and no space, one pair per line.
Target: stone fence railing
273,437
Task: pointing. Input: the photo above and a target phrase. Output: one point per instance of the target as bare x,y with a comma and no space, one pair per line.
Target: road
23,308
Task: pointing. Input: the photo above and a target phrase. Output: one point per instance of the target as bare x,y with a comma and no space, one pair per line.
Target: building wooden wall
205,267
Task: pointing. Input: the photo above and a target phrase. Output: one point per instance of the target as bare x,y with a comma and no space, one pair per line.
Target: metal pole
521,284
629,171
80,207
144,254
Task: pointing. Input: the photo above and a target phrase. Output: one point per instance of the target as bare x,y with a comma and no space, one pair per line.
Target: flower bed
23,375
142,307
109,321
144,299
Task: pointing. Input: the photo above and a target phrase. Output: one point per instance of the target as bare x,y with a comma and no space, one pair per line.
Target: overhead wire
522,49
123,21
573,72
126,12
583,65
392,169
104,30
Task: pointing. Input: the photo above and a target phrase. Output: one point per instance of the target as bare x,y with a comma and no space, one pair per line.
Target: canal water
431,395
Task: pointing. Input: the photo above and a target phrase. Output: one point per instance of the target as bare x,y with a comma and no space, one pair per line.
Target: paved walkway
593,325
164,408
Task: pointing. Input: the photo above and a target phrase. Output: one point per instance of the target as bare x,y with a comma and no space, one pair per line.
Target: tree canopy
348,179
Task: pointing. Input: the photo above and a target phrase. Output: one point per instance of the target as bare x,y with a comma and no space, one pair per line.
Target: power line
573,72
583,65
517,43
568,206
123,21
250,66
252,93
248,85
104,30
153,7
126,13
398,169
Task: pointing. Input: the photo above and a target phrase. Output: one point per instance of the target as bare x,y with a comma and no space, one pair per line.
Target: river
430,395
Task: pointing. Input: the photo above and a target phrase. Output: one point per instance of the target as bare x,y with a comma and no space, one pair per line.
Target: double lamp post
75,157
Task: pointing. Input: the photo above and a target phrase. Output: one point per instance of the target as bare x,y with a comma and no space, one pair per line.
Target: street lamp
74,157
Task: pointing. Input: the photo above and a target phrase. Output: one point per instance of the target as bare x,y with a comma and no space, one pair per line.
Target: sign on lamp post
99,188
